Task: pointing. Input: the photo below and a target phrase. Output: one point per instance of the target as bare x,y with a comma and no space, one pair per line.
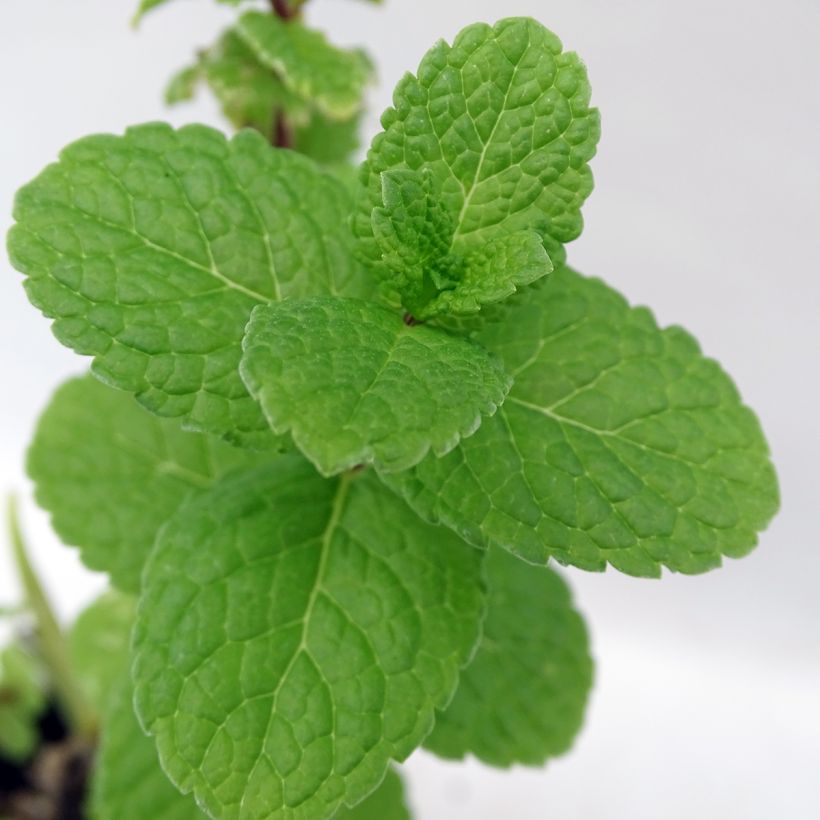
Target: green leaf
386,803
415,233
332,79
354,384
501,119
327,141
98,645
127,780
182,86
249,93
522,698
21,703
618,444
150,250
296,634
111,473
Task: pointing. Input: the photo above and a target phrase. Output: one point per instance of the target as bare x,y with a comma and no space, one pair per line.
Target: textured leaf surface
98,645
619,443
502,120
21,702
386,803
111,474
292,706
415,232
128,780
522,698
150,250
333,79
354,384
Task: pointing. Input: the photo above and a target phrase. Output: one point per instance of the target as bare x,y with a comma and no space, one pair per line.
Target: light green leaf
502,120
249,93
415,232
150,250
332,79
290,708
98,645
354,384
127,781
386,803
522,698
111,474
182,86
619,443
21,703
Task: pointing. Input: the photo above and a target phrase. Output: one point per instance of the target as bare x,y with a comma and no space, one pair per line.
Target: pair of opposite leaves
618,442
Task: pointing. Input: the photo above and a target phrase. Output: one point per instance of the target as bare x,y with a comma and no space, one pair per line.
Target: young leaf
386,803
111,474
332,79
150,250
21,703
354,384
619,443
501,119
415,233
249,93
295,635
98,645
522,698
127,780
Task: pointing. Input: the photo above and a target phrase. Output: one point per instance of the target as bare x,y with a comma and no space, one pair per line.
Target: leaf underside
522,698
354,384
290,708
111,473
619,444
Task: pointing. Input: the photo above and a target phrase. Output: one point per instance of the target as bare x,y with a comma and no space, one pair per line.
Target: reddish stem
282,8
282,136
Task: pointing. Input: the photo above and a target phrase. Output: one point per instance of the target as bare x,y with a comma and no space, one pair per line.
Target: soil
51,785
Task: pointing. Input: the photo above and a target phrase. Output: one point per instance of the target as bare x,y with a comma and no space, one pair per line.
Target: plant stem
283,9
78,712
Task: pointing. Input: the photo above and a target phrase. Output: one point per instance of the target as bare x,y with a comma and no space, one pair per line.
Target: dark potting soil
51,785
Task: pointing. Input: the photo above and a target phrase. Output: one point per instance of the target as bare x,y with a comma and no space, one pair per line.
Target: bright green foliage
619,443
128,780
111,473
363,616
415,234
502,120
355,384
21,703
522,698
150,250
332,79
386,803
98,645
249,93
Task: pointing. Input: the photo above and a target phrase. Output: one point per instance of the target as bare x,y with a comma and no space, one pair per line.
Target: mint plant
339,425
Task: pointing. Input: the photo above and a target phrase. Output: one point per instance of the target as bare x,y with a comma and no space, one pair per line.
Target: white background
707,702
